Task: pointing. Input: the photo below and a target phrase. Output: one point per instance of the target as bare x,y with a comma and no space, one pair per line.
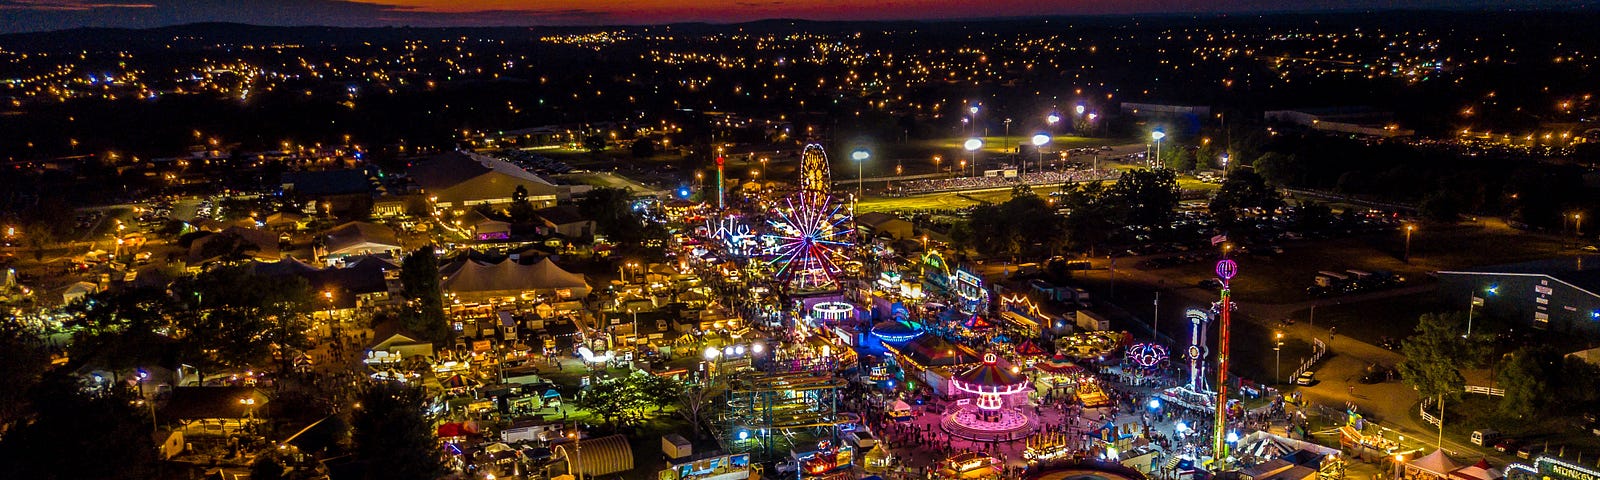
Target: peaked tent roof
1059,364
473,276
1029,348
1436,463
355,235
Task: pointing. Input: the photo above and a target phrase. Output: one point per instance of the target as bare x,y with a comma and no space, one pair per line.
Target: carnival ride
775,412
991,419
807,240
815,176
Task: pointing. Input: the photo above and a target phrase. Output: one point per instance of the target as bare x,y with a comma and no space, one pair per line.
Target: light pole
577,449
972,146
860,156
1277,352
1039,142
1409,228
1005,142
1476,302
1157,136
936,160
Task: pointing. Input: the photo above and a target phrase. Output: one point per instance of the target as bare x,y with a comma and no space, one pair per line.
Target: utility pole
1155,319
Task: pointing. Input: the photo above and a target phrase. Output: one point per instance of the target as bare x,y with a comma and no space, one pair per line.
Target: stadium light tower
860,156
972,146
1039,141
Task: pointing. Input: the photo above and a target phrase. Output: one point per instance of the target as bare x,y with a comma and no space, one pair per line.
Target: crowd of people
911,187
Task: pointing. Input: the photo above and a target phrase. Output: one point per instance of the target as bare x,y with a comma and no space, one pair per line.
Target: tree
419,280
660,391
1243,192
1179,159
1440,206
119,329
1022,224
1436,354
1280,169
613,215
23,360
696,402
594,143
1092,217
76,435
38,236
644,148
393,436
239,320
521,208
1149,197
1526,380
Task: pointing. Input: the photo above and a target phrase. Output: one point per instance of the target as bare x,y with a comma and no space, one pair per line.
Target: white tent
901,406
79,290
1436,464
511,278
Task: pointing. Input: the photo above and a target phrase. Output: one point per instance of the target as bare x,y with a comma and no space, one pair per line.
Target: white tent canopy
508,277
1435,463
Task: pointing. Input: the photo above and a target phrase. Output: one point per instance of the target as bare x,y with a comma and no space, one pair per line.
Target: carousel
987,417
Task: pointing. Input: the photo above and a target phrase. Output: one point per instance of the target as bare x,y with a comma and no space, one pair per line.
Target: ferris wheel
807,237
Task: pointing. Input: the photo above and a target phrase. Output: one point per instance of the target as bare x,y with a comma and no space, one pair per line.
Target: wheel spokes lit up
809,233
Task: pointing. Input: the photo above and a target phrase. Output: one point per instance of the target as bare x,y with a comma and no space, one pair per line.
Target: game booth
970,466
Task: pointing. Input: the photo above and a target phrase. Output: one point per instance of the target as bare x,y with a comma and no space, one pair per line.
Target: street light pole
1039,141
860,156
1277,351
1157,136
973,145
1409,229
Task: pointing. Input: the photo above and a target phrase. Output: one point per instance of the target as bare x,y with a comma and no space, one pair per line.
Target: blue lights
897,338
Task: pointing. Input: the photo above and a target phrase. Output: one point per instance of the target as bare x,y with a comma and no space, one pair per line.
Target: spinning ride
991,381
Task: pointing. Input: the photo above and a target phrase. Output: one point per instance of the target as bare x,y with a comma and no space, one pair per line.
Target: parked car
1307,378
1529,451
1508,445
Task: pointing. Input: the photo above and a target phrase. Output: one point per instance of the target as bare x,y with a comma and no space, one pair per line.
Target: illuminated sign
1559,469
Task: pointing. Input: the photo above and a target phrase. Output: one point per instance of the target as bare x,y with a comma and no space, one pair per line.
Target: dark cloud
38,15
41,15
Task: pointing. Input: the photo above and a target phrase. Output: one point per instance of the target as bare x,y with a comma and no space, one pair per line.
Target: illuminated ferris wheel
807,237
814,171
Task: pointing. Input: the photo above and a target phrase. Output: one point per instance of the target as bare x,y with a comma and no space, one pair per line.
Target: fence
1422,408
1493,392
1318,350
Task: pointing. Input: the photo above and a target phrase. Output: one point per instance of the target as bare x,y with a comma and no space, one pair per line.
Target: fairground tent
472,278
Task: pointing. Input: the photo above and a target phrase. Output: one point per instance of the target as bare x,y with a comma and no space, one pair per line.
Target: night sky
38,15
